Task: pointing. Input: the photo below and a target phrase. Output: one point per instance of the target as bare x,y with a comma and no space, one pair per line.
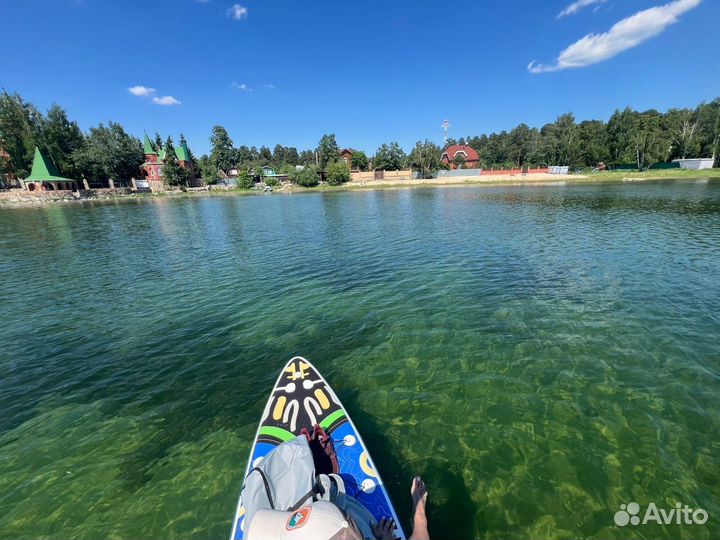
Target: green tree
478,143
266,155
307,157
521,139
619,133
425,158
109,152
222,153
291,156
244,155
497,151
337,173
547,149
592,143
173,173
21,126
567,140
683,127
278,156
306,177
327,150
208,172
245,180
709,130
61,138
647,140
272,181
359,160
389,157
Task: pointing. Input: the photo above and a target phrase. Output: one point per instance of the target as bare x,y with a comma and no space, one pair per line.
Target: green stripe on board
330,419
279,433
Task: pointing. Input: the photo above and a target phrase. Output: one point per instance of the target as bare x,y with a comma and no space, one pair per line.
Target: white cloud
142,91
244,87
577,6
237,12
166,100
623,35
271,86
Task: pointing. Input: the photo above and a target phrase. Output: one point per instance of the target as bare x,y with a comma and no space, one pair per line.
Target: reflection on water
540,355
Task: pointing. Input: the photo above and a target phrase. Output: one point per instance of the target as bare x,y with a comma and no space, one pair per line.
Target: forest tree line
108,151
628,137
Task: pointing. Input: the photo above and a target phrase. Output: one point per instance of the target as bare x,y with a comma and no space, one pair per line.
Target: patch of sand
484,179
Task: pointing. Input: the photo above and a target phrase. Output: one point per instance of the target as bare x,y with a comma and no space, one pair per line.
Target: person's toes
418,492
417,481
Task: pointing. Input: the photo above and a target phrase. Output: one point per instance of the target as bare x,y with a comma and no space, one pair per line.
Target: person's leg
418,491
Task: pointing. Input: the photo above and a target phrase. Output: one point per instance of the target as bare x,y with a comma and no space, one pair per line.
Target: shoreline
25,200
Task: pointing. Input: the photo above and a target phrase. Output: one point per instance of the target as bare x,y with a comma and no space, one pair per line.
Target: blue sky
372,72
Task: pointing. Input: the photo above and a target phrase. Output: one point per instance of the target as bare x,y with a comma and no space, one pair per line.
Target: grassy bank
668,174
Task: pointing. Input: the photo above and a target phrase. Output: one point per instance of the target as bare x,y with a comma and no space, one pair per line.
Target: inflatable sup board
300,399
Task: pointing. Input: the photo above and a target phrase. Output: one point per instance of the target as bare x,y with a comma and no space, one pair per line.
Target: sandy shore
535,178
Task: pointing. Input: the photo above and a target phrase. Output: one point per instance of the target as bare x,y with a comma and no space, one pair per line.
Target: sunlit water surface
540,355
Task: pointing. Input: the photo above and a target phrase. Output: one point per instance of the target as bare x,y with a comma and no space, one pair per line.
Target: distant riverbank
24,198
541,179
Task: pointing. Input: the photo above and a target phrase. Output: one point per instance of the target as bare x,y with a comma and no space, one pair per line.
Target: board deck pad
301,399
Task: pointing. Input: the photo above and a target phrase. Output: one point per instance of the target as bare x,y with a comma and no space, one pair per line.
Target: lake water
540,355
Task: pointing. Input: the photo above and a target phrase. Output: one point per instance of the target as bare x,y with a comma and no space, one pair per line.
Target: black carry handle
267,486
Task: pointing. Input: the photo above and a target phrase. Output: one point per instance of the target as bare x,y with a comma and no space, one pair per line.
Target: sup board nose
301,399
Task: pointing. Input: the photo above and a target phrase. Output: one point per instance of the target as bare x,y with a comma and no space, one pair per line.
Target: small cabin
345,156
269,172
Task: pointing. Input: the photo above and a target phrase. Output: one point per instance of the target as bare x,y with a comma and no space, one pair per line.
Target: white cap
321,520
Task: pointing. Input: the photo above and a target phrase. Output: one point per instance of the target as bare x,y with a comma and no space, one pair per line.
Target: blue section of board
300,399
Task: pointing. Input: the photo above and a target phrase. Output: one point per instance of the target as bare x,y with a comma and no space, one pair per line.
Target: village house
155,158
345,156
470,157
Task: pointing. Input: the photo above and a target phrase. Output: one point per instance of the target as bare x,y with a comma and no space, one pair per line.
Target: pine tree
173,174
327,150
222,154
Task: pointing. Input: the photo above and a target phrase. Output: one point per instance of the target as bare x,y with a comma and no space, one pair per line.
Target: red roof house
470,156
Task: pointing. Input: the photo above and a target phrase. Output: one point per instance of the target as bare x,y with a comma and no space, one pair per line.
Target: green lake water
540,355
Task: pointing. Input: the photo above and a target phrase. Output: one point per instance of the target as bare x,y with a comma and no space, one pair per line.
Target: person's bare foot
419,494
